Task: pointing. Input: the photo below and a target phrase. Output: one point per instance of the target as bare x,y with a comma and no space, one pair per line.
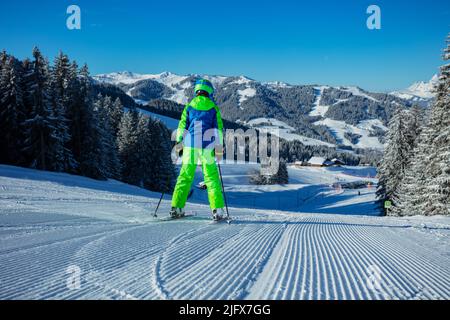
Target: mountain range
419,92
346,117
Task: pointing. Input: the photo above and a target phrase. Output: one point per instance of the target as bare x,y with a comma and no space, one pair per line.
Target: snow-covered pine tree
437,171
40,127
75,106
3,58
115,115
416,122
407,193
404,193
114,111
27,67
127,145
59,81
396,153
12,112
163,173
261,177
410,195
145,152
282,176
90,134
110,159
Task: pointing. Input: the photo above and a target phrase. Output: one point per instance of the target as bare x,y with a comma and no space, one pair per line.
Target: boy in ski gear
203,142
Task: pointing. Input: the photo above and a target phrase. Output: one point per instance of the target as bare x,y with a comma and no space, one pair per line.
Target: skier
199,119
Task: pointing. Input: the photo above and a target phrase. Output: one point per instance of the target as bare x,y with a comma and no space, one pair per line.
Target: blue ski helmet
205,85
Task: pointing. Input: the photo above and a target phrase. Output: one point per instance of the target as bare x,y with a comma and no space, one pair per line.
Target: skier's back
202,122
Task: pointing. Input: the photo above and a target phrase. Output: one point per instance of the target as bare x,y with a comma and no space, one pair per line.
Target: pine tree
110,159
75,109
262,177
145,152
127,139
282,176
410,194
163,172
425,188
393,164
396,155
438,156
114,111
3,59
115,115
40,127
12,112
64,160
91,157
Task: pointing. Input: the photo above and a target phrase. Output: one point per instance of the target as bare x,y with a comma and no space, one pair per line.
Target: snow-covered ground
170,123
306,240
283,130
245,94
338,128
319,109
363,129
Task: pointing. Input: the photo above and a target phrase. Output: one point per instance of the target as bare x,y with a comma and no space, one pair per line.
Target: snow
317,160
283,130
419,90
369,124
242,80
216,80
246,94
171,80
358,92
170,123
338,128
306,241
270,122
124,77
273,85
318,109
177,83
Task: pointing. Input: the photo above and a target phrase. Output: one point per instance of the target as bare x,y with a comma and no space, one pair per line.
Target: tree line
51,118
414,175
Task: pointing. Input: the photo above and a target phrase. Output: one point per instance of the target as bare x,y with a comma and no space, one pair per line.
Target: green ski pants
190,159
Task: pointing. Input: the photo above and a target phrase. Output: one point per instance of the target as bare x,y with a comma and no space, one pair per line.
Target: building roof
336,160
317,160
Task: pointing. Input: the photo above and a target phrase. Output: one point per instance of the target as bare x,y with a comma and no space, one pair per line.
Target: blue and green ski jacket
199,117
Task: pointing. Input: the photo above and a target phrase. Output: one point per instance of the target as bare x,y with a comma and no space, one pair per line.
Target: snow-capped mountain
321,115
133,82
124,77
419,92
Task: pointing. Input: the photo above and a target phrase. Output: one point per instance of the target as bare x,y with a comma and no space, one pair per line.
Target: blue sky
300,42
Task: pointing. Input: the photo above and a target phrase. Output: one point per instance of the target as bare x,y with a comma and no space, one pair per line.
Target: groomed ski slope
52,224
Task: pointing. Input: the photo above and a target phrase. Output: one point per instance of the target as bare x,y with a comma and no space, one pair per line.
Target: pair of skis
227,218
195,217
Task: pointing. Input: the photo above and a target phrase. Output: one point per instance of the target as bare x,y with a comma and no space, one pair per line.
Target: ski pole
157,207
223,190
162,195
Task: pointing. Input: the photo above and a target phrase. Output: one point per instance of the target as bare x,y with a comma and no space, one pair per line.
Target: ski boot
217,214
176,213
